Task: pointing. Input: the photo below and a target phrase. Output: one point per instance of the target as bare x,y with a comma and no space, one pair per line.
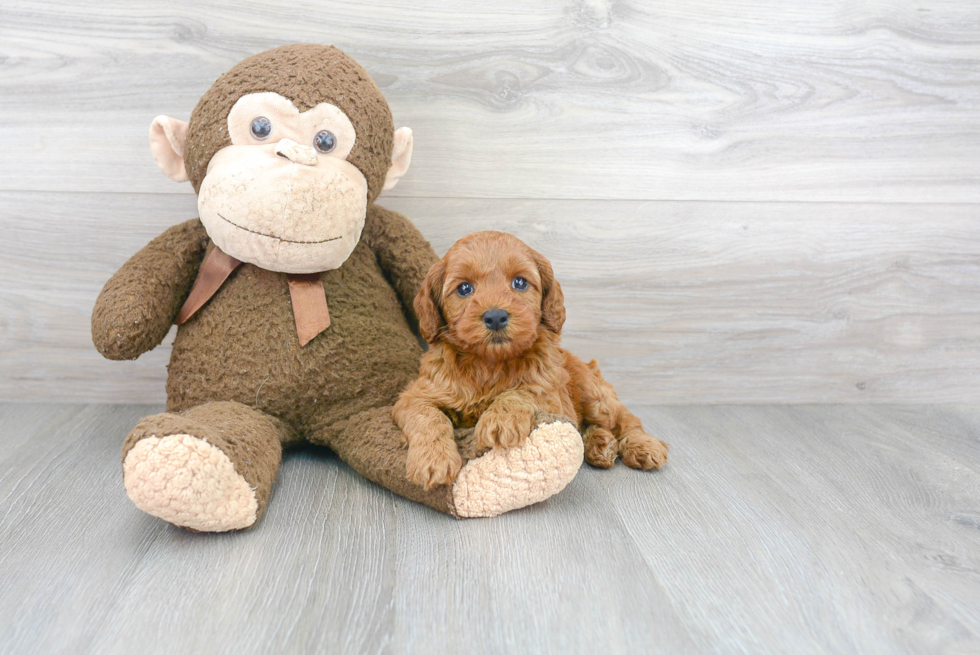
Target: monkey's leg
209,468
490,482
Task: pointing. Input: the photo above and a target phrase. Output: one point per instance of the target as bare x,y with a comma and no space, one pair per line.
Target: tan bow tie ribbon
305,291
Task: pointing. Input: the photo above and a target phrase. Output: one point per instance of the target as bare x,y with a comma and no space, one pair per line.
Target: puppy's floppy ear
428,302
552,299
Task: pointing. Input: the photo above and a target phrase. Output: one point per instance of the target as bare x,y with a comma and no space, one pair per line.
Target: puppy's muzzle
495,319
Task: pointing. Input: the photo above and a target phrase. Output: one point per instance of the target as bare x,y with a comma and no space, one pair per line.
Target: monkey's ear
552,298
167,136
401,156
428,302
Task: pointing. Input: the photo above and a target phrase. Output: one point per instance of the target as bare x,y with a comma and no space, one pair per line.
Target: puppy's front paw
433,463
504,426
641,451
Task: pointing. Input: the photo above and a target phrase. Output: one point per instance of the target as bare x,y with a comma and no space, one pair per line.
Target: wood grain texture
681,302
831,529
700,100
814,508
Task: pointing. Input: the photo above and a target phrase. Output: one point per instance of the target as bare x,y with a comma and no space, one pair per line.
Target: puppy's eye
519,283
464,289
325,141
261,128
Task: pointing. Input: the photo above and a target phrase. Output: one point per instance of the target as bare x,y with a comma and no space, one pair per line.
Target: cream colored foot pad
188,482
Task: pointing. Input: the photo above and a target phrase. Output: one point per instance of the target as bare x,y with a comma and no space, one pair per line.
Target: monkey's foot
504,479
209,468
188,482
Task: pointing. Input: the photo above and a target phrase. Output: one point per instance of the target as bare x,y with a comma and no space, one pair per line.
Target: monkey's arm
403,253
138,304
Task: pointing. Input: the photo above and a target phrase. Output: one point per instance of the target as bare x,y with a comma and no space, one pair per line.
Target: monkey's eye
261,128
464,289
325,141
519,283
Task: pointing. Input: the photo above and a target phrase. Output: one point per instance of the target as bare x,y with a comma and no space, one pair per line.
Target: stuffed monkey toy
293,297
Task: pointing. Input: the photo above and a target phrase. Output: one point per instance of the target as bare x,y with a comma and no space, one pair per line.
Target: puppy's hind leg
601,447
603,408
638,449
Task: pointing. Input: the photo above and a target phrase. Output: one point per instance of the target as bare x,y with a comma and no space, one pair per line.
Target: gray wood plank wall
746,202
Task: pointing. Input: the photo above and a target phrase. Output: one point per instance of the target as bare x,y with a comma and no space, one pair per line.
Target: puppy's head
490,295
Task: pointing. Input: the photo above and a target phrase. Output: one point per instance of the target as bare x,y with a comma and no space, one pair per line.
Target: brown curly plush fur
497,379
241,347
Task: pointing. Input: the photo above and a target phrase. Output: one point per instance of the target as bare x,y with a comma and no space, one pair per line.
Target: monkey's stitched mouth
271,236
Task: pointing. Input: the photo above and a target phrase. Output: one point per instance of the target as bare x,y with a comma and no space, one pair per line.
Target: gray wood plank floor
774,529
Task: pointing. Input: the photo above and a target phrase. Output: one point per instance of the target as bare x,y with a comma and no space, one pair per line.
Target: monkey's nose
495,319
294,152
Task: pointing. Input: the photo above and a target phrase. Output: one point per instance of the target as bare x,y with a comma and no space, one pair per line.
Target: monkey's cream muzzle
283,208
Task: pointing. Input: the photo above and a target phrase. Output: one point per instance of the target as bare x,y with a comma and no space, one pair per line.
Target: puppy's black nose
495,319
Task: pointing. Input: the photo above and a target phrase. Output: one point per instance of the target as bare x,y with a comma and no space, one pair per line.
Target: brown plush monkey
293,294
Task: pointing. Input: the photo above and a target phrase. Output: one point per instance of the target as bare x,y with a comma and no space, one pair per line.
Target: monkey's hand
507,422
138,304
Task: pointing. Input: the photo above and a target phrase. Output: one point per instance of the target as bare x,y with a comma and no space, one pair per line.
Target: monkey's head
286,150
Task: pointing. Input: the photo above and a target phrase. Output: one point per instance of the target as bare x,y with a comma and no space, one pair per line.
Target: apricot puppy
492,313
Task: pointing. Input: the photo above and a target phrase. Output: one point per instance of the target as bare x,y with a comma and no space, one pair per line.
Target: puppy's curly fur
477,373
